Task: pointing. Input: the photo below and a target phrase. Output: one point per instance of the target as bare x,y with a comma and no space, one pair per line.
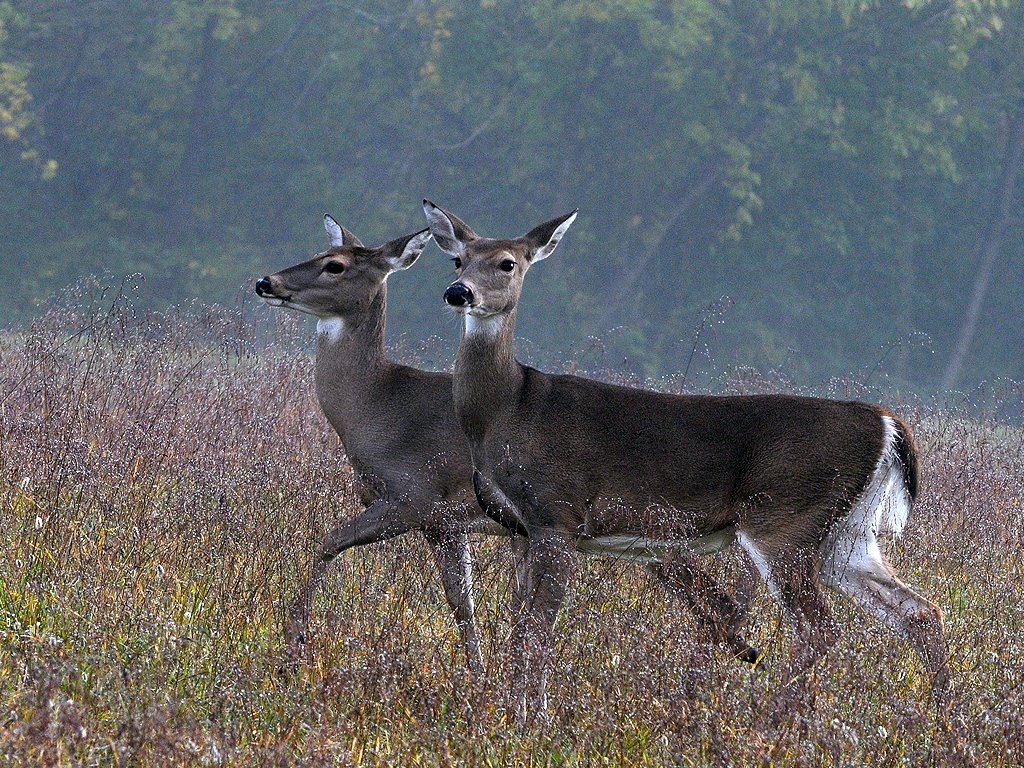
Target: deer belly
640,549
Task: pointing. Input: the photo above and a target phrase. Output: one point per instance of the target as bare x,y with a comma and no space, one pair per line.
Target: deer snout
263,287
458,295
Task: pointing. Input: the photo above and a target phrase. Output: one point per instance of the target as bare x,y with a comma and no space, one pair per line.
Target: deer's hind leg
856,567
719,614
791,572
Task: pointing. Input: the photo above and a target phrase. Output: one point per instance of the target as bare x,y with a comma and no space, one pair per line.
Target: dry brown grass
165,478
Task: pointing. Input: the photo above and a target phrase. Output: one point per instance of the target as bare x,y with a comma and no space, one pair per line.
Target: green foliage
17,119
827,164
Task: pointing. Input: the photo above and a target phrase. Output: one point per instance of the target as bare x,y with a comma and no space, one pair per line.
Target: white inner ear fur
334,230
443,230
411,252
548,248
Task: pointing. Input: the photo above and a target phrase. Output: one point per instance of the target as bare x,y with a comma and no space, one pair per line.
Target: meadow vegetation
164,480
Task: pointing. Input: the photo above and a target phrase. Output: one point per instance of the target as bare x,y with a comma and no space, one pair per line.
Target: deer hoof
750,655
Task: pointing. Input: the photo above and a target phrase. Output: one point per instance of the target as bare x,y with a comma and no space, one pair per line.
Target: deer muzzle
458,295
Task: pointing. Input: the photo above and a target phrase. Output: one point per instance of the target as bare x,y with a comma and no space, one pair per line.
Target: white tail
893,510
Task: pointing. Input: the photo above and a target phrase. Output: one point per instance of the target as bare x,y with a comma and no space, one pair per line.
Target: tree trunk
987,249
180,218
706,176
906,289
708,173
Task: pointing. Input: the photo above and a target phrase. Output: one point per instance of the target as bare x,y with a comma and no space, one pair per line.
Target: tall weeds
165,478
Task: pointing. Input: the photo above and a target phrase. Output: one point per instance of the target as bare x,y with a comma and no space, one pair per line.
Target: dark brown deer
804,485
397,423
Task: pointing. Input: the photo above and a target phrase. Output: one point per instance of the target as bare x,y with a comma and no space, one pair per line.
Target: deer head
489,272
343,281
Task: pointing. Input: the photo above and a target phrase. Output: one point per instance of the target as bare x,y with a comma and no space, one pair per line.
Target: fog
810,190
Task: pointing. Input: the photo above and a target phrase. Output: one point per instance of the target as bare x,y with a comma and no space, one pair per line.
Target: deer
804,486
396,423
399,431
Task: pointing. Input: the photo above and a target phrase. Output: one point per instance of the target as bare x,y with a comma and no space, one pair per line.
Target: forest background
829,187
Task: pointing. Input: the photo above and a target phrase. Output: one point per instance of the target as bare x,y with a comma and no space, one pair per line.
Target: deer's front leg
550,566
381,520
451,552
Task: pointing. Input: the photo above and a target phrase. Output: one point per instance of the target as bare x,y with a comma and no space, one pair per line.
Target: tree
823,164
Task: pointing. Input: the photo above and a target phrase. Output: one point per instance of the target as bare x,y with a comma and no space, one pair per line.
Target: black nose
458,295
263,286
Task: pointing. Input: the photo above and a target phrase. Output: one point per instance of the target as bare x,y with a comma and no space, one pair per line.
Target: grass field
164,480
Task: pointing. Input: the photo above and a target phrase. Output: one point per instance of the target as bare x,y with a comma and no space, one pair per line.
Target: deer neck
488,378
350,358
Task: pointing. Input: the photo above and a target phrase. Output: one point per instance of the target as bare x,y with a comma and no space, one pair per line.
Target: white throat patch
331,328
484,326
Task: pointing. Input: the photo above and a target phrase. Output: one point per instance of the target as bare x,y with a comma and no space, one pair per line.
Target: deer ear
543,239
402,252
449,231
339,235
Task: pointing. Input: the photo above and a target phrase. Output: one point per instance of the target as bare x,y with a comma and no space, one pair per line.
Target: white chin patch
483,326
274,301
331,328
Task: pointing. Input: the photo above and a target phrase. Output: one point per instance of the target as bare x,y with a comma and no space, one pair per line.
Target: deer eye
458,262
507,265
334,267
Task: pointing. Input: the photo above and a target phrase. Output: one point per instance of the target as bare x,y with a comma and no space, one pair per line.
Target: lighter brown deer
396,423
